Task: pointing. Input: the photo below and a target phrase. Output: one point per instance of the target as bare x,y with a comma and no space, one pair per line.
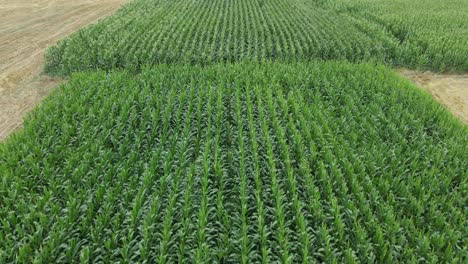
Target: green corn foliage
202,32
317,162
415,34
431,34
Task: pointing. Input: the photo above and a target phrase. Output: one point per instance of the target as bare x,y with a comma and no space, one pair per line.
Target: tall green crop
318,162
431,34
203,32
150,32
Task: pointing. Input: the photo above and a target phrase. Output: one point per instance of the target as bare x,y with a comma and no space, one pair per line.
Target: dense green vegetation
434,32
149,32
251,147
203,32
329,162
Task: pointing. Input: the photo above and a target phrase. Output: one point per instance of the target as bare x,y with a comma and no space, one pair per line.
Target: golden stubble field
27,27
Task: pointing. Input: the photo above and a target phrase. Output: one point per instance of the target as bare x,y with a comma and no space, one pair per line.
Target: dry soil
451,90
27,27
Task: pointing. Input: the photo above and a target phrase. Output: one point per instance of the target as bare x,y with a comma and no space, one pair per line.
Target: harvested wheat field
27,28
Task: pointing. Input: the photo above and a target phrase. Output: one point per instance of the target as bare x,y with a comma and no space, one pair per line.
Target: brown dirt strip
27,28
451,90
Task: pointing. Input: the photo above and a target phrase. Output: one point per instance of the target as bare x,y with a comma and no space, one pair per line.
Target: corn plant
315,162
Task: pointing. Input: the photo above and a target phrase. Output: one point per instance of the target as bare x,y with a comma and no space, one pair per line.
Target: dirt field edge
450,90
27,28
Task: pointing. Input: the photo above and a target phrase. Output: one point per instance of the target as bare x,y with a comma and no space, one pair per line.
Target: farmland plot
27,28
150,32
204,32
328,162
432,34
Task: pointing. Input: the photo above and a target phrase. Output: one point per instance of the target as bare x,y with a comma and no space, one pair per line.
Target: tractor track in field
27,28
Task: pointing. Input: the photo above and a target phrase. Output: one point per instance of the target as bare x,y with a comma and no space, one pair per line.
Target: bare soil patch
27,27
451,90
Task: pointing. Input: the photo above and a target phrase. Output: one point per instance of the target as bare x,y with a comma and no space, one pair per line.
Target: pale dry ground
451,90
27,28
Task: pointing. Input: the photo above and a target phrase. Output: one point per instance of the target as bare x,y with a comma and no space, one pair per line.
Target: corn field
237,163
432,34
201,32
